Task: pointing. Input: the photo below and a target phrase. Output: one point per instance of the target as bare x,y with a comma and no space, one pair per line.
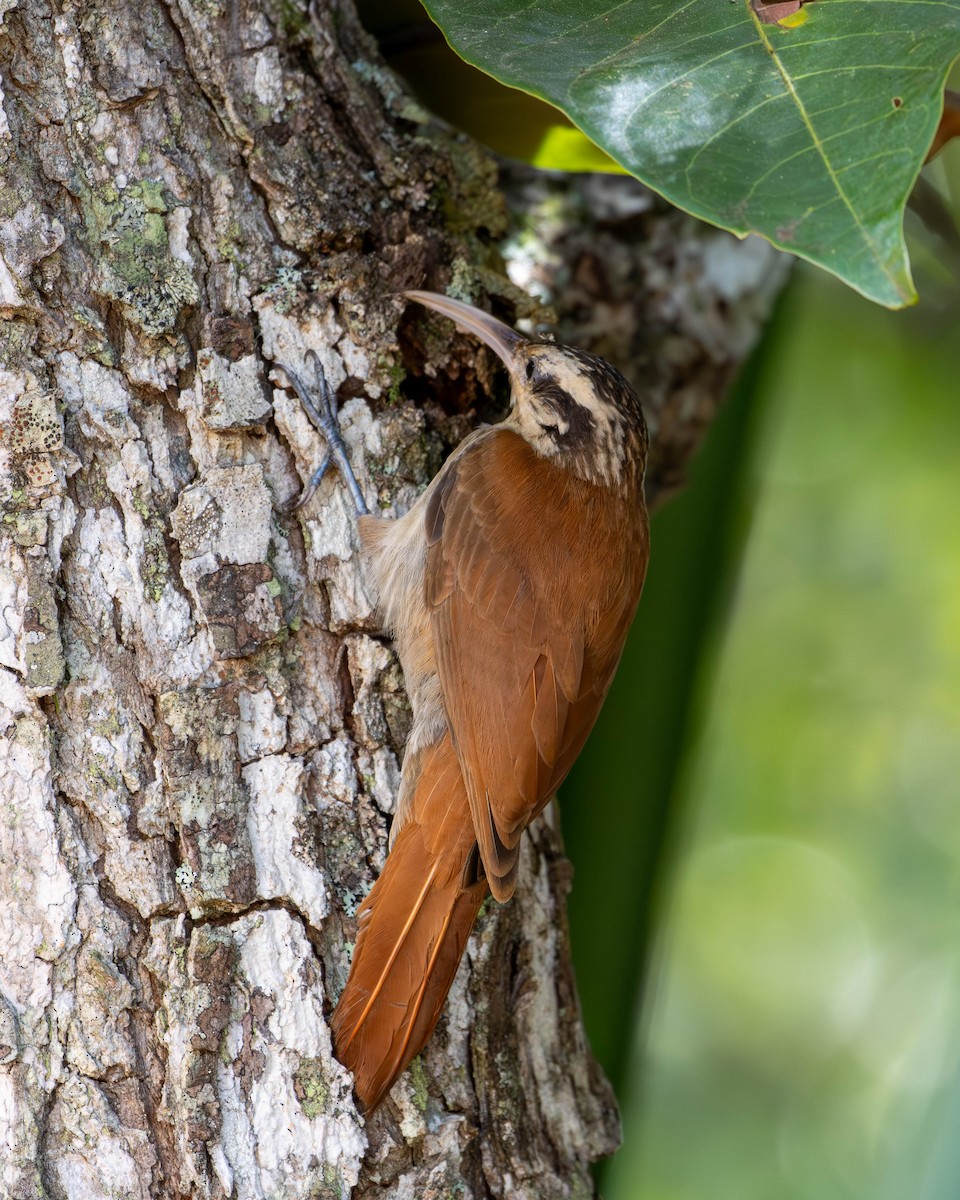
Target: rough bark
200,726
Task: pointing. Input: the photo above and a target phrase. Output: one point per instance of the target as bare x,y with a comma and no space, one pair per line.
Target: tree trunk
200,725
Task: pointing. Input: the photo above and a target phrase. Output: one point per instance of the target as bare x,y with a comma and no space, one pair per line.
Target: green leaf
811,136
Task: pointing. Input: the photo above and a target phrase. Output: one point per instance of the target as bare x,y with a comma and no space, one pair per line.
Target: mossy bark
200,725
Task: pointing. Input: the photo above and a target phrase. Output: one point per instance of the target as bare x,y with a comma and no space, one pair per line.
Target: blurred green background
790,850
765,824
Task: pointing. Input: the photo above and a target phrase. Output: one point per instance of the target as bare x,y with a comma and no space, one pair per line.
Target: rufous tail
412,930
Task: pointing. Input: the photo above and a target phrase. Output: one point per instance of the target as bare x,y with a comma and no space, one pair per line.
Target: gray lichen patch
154,564
277,811
263,727
138,268
230,394
207,801
408,457
99,1040
99,397
119,471
227,516
42,649
10,1035
311,1087
30,641
224,528
27,236
240,606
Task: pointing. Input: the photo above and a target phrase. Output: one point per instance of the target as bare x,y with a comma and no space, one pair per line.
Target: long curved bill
501,339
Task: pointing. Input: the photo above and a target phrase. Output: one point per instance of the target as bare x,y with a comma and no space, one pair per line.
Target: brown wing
532,578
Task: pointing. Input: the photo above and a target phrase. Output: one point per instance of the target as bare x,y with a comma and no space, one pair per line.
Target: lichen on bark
200,724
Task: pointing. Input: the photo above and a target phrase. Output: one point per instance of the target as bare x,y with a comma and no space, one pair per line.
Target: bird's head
568,404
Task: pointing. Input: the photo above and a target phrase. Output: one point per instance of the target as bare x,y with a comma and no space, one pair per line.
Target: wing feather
532,578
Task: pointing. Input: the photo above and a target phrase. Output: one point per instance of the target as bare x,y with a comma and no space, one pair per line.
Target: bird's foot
321,407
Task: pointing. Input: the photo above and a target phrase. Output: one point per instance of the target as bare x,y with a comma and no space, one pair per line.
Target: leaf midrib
822,154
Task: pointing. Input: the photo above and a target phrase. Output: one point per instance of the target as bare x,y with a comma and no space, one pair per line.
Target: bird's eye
530,368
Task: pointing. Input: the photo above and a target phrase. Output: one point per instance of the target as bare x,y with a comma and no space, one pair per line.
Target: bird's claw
322,412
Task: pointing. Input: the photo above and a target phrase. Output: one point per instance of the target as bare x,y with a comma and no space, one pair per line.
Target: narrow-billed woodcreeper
509,588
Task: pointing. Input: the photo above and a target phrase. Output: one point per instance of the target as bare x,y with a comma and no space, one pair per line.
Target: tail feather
413,927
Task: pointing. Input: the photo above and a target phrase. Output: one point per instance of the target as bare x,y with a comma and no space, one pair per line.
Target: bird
508,588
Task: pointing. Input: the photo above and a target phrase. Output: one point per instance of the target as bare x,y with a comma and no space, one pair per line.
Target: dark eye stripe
579,420
609,384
